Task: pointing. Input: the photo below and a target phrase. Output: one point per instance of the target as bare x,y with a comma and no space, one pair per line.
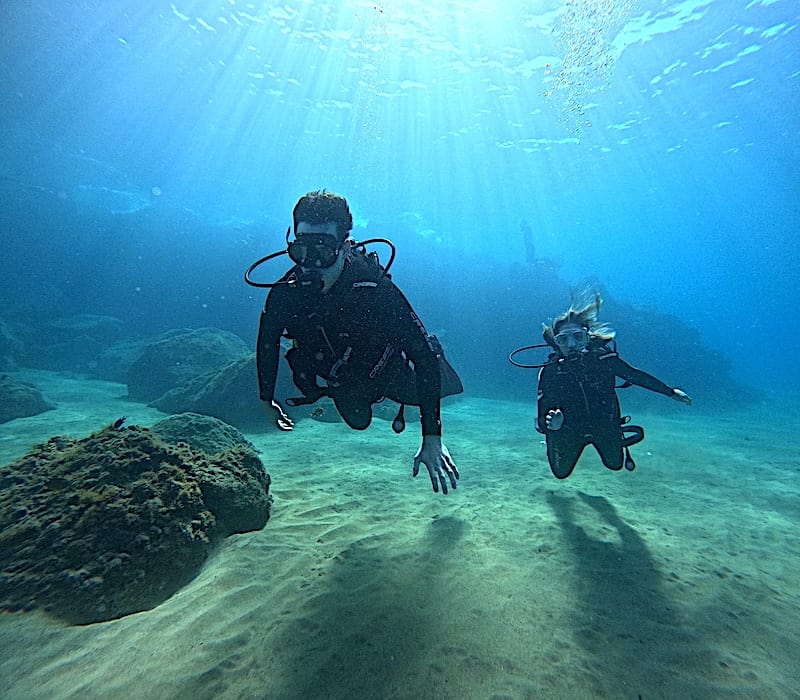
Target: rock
20,399
234,495
229,393
96,528
179,356
204,433
11,347
69,343
101,329
114,362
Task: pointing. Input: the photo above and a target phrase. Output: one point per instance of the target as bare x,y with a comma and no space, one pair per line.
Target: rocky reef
95,528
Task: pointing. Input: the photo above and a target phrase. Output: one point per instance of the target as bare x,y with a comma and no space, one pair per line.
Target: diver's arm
647,381
270,328
412,338
544,406
268,347
429,380
433,453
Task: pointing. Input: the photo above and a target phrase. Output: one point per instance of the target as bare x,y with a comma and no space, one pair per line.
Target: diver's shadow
622,617
375,619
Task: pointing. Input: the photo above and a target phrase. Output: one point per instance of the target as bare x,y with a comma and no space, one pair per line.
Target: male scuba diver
577,399
354,330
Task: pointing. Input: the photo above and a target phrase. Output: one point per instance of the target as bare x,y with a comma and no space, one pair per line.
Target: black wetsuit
583,388
359,338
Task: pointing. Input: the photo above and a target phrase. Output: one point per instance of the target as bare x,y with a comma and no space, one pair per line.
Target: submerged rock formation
202,432
230,393
96,528
20,399
11,347
179,356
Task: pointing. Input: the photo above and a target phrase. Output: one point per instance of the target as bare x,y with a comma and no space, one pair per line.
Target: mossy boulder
205,433
95,528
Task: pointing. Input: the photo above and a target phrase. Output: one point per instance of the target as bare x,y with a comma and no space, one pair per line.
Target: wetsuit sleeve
636,376
544,397
412,338
270,328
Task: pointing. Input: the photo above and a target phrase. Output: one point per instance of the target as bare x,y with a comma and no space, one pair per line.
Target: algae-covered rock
204,433
20,399
234,494
96,528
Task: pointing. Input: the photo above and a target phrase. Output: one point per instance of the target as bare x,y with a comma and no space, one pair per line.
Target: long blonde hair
584,310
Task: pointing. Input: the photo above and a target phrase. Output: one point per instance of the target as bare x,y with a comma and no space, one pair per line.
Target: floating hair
583,311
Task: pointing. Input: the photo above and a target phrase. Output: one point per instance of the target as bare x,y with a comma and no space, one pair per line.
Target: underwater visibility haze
516,153
650,146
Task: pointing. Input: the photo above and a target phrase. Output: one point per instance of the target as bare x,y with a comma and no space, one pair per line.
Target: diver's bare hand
437,460
554,419
276,413
682,396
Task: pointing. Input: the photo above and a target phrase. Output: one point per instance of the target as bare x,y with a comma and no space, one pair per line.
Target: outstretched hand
437,460
682,396
276,412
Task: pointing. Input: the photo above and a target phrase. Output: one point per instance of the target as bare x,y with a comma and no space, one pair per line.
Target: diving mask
314,250
578,337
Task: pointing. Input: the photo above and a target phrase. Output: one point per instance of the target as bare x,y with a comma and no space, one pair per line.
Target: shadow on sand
636,641
376,619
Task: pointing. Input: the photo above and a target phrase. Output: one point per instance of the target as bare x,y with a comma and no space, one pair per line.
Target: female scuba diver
577,399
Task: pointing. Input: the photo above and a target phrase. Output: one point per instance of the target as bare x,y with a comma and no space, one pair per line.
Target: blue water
151,150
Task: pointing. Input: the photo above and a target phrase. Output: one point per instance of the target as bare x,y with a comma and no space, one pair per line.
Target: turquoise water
651,146
152,150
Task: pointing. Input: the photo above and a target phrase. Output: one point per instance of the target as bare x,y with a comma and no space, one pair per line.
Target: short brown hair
320,207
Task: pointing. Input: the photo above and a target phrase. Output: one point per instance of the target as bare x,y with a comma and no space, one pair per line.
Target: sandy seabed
678,580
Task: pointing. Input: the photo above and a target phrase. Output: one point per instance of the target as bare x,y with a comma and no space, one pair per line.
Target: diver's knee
358,419
615,463
561,473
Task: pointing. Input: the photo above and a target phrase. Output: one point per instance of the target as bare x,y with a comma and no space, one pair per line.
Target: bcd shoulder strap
367,269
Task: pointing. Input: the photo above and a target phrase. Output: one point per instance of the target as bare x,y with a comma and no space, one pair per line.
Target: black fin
451,382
